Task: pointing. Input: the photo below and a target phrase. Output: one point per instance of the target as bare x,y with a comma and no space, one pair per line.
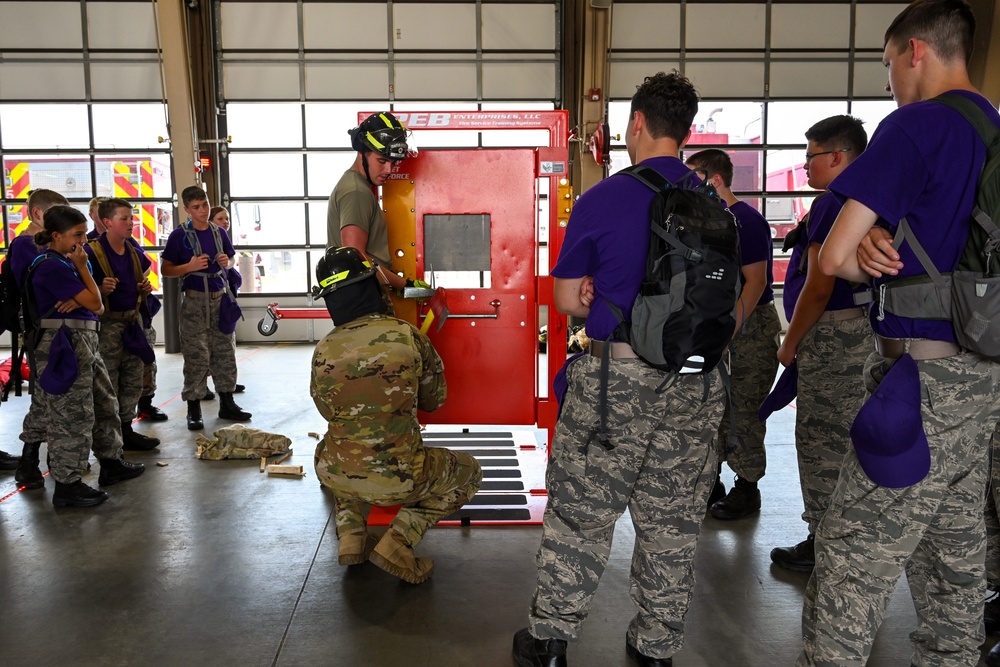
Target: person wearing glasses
828,335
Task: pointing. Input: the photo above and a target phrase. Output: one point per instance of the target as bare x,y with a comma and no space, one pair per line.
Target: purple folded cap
135,342
783,393
888,433
229,314
62,368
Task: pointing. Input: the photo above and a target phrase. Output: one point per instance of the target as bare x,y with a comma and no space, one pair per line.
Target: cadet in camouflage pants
752,370
831,360
124,369
90,401
149,370
207,351
934,529
661,469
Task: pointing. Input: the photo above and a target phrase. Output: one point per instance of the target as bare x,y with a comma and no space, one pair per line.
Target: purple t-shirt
608,238
755,243
126,293
822,215
179,251
22,253
56,279
922,163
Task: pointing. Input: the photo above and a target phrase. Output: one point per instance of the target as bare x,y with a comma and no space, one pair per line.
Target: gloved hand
417,283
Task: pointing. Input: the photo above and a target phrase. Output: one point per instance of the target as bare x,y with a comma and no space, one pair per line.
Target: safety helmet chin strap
364,165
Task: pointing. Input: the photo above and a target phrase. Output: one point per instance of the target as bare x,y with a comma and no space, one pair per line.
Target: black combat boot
149,411
8,461
137,442
118,470
718,491
209,396
742,500
28,473
642,659
531,652
800,558
229,410
194,416
77,494
239,389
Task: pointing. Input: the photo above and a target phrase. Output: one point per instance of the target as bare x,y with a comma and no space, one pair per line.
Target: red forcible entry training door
473,217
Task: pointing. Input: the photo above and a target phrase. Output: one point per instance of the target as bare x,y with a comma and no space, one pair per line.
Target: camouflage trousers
752,368
991,515
933,529
33,426
207,351
124,369
149,370
447,481
661,469
85,417
831,360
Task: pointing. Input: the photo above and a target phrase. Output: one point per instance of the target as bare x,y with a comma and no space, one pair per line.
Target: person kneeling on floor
369,376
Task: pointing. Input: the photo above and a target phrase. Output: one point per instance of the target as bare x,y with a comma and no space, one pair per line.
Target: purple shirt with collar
922,163
755,244
126,293
822,215
53,279
178,251
608,238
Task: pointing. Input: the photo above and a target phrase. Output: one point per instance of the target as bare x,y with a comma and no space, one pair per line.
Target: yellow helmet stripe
335,278
375,142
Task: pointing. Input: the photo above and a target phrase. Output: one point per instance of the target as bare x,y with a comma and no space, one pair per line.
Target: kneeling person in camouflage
369,376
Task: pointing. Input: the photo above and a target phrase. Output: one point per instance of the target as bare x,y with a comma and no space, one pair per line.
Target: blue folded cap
888,433
783,393
62,369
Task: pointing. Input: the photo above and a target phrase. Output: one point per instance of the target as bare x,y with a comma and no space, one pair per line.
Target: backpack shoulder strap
648,176
192,239
987,131
101,257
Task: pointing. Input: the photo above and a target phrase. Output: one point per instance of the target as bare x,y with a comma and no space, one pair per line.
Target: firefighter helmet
383,134
340,267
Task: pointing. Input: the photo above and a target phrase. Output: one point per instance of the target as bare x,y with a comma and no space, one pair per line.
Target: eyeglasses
810,156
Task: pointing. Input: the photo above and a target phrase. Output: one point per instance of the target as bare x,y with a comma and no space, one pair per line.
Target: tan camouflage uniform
207,351
661,469
369,376
933,529
831,359
85,417
753,366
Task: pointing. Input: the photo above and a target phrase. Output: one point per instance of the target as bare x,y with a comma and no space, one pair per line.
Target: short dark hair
107,208
59,218
840,132
949,26
193,193
715,161
669,102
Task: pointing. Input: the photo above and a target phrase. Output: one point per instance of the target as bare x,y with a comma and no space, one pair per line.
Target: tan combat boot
395,556
355,547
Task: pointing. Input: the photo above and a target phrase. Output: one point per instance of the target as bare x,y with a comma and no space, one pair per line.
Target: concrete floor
212,563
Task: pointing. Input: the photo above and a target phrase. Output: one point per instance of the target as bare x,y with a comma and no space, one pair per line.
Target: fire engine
131,178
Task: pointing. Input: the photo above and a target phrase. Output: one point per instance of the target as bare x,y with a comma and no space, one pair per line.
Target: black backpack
10,299
685,313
